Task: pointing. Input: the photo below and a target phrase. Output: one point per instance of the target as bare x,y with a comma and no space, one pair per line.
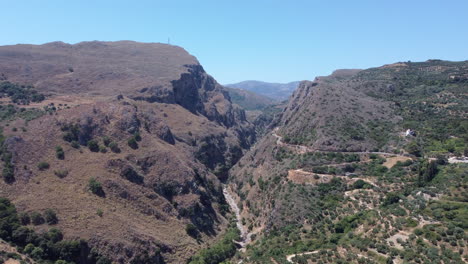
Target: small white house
410,132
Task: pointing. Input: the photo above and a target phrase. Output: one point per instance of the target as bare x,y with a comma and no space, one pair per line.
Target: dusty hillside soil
174,128
391,161
105,68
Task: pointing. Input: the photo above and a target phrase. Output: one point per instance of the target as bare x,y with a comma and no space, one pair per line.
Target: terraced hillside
338,180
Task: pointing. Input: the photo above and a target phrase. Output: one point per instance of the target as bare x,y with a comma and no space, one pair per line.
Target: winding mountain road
305,149
290,257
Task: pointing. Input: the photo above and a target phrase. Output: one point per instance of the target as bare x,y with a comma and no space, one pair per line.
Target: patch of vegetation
220,251
132,142
191,230
37,218
61,173
114,147
131,175
93,146
95,187
20,94
43,165
59,153
8,172
50,217
47,247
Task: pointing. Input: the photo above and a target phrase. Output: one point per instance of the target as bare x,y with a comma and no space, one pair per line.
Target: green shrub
95,187
8,173
191,230
130,174
114,147
414,149
132,143
24,218
51,217
359,184
137,136
28,248
75,144
37,253
61,173
37,218
106,141
59,153
43,165
93,145
391,198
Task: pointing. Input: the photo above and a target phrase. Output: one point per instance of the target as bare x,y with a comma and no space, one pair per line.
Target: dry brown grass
392,161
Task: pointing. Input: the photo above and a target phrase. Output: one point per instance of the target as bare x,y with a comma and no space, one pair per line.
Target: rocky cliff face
143,120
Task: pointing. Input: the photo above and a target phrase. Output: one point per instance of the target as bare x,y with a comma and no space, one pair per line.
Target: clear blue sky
269,40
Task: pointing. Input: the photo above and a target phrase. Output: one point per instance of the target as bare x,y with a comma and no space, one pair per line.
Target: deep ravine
245,235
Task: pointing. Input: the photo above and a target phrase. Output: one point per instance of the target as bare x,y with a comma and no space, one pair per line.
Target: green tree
413,148
37,218
93,145
8,173
51,217
37,253
391,198
25,219
427,171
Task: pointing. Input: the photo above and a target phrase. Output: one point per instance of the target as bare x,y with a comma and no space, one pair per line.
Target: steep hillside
338,180
249,100
125,143
277,91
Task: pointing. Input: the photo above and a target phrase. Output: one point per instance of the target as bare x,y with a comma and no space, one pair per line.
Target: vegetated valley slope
121,144
249,100
276,91
259,109
338,180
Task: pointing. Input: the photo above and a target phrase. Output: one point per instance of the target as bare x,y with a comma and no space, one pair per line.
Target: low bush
93,145
59,153
95,187
50,217
37,218
43,165
132,143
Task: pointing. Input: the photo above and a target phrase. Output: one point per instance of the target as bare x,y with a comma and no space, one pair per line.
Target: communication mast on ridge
169,41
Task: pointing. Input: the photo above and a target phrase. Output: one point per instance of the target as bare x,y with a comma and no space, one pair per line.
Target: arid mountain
357,168
277,91
128,146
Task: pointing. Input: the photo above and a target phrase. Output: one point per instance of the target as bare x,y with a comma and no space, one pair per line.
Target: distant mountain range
277,91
